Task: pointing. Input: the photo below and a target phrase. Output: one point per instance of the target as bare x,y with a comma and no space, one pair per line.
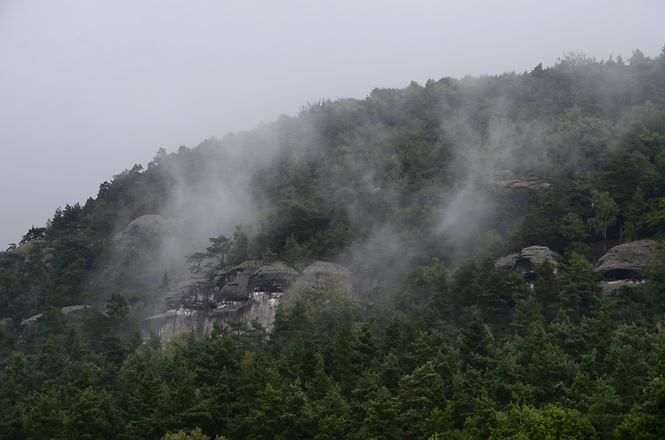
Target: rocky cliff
248,291
623,265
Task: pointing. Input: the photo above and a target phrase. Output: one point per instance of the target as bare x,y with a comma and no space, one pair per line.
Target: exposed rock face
533,256
508,179
612,288
506,263
528,259
20,256
624,265
248,291
239,282
73,310
29,322
142,227
190,294
627,261
70,311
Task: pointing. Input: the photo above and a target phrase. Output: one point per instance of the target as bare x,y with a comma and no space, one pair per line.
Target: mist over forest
417,192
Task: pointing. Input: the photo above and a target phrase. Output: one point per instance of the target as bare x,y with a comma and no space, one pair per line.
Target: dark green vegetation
403,189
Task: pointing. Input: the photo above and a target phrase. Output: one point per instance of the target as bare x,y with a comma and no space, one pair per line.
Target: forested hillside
417,191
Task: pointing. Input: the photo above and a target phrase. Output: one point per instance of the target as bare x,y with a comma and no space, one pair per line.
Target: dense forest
407,189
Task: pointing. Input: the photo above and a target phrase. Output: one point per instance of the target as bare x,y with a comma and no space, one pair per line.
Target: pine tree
475,345
382,421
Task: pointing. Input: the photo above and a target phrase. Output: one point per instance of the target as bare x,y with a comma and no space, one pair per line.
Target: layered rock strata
249,291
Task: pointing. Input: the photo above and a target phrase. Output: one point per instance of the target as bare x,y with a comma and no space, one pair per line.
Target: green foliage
382,421
12,288
649,422
219,248
46,418
194,434
328,303
239,250
269,256
550,422
395,186
222,252
33,234
606,211
574,232
475,345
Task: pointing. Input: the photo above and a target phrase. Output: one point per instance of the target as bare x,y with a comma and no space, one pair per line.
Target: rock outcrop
528,259
29,322
627,261
624,265
139,228
248,291
506,263
190,294
73,310
239,282
21,255
69,311
533,256
509,180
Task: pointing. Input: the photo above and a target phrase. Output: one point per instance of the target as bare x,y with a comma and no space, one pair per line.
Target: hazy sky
89,88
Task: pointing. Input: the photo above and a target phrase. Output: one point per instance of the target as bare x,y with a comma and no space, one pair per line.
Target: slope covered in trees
416,191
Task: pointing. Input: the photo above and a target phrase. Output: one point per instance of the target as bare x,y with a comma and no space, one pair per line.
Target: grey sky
89,88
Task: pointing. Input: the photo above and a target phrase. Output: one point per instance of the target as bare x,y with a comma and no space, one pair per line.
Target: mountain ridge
417,192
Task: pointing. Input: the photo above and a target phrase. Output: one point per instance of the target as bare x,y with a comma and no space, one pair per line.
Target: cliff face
248,291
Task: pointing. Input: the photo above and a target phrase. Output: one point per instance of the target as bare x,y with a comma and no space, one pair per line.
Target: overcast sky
90,88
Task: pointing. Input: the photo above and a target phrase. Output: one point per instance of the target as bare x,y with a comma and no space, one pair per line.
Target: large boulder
506,263
627,261
139,228
533,256
528,259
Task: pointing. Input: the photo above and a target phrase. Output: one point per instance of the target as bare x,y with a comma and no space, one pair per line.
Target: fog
89,89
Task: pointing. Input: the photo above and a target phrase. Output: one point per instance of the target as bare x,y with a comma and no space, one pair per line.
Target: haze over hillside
90,89
461,258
